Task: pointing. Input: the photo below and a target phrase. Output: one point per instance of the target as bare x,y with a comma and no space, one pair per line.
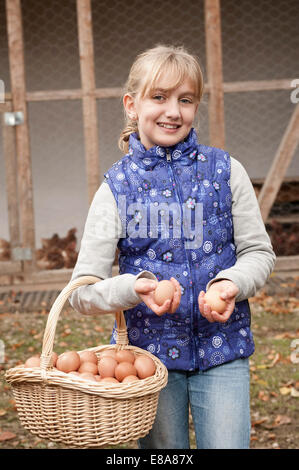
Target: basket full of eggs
99,396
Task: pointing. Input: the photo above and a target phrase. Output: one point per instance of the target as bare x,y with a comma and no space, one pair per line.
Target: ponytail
130,128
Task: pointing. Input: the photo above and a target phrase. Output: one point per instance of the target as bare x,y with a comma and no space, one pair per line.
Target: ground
274,365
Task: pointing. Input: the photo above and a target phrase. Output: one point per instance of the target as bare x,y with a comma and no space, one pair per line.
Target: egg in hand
164,291
213,299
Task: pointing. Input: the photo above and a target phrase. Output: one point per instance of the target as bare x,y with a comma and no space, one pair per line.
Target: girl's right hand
145,288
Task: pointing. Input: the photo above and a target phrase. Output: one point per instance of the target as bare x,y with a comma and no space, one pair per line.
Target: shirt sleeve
96,257
255,255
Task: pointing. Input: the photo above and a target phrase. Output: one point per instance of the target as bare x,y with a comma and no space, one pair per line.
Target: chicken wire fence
260,41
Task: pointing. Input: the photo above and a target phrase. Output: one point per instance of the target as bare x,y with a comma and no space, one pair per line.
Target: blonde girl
181,210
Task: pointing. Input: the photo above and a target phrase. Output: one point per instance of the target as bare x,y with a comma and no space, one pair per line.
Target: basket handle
48,340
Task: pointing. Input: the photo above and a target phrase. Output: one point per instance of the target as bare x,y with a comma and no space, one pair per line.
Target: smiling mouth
168,126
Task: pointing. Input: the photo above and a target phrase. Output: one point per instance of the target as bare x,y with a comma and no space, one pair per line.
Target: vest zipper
194,365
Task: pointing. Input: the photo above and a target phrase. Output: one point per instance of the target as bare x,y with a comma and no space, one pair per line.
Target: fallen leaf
276,359
294,392
285,390
7,435
263,395
17,345
2,412
282,419
259,421
287,334
99,329
262,382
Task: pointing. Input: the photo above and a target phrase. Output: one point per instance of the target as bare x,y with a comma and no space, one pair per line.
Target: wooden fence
22,268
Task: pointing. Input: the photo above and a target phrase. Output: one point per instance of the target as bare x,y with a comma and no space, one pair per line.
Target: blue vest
175,207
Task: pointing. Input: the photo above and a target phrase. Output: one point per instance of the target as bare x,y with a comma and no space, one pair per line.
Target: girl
177,209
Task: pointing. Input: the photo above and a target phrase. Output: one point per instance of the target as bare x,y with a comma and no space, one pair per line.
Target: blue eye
186,101
158,97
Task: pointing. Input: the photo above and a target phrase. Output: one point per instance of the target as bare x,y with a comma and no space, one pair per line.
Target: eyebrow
166,90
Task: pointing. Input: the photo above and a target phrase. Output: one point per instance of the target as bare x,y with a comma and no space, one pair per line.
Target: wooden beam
258,85
36,280
116,92
214,72
90,118
18,90
280,164
10,267
9,150
74,94
287,263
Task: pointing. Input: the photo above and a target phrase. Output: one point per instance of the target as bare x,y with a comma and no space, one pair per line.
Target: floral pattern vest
175,207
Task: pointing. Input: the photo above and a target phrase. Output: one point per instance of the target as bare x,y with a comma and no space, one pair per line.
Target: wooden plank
287,263
258,85
9,150
10,267
74,94
90,118
280,164
214,72
116,92
41,280
18,89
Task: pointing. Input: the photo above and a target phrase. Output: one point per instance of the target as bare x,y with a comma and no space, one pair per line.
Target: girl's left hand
227,291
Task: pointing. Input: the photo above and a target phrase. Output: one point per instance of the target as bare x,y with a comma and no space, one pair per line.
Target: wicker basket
77,412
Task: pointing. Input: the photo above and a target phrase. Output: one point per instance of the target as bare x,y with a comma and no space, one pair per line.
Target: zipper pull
168,156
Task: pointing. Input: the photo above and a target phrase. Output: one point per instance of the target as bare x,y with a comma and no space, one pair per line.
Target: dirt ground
274,365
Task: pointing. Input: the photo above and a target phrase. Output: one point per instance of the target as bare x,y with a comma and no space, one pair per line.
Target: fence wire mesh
260,41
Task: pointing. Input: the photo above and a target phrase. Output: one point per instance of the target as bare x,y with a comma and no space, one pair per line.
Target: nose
173,109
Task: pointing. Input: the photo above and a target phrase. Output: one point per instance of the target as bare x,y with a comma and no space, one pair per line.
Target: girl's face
165,117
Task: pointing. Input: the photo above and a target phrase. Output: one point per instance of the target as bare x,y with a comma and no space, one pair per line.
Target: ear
129,105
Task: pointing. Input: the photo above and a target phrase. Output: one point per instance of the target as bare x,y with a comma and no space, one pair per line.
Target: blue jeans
219,400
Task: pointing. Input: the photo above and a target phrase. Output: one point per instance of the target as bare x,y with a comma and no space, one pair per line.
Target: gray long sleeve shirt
255,256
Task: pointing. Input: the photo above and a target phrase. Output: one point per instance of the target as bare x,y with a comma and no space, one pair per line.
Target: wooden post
214,72
9,150
90,119
18,91
279,165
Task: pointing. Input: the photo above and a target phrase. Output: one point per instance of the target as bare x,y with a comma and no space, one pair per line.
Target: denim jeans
219,400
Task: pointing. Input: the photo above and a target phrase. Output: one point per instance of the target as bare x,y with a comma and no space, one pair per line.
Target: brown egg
110,379
108,352
123,369
68,361
54,358
125,356
88,356
130,378
213,299
88,376
145,366
107,366
164,291
33,361
88,367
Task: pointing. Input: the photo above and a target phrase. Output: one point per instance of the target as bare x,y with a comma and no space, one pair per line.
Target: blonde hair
146,71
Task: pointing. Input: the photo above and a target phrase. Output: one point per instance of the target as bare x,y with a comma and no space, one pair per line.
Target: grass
274,375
